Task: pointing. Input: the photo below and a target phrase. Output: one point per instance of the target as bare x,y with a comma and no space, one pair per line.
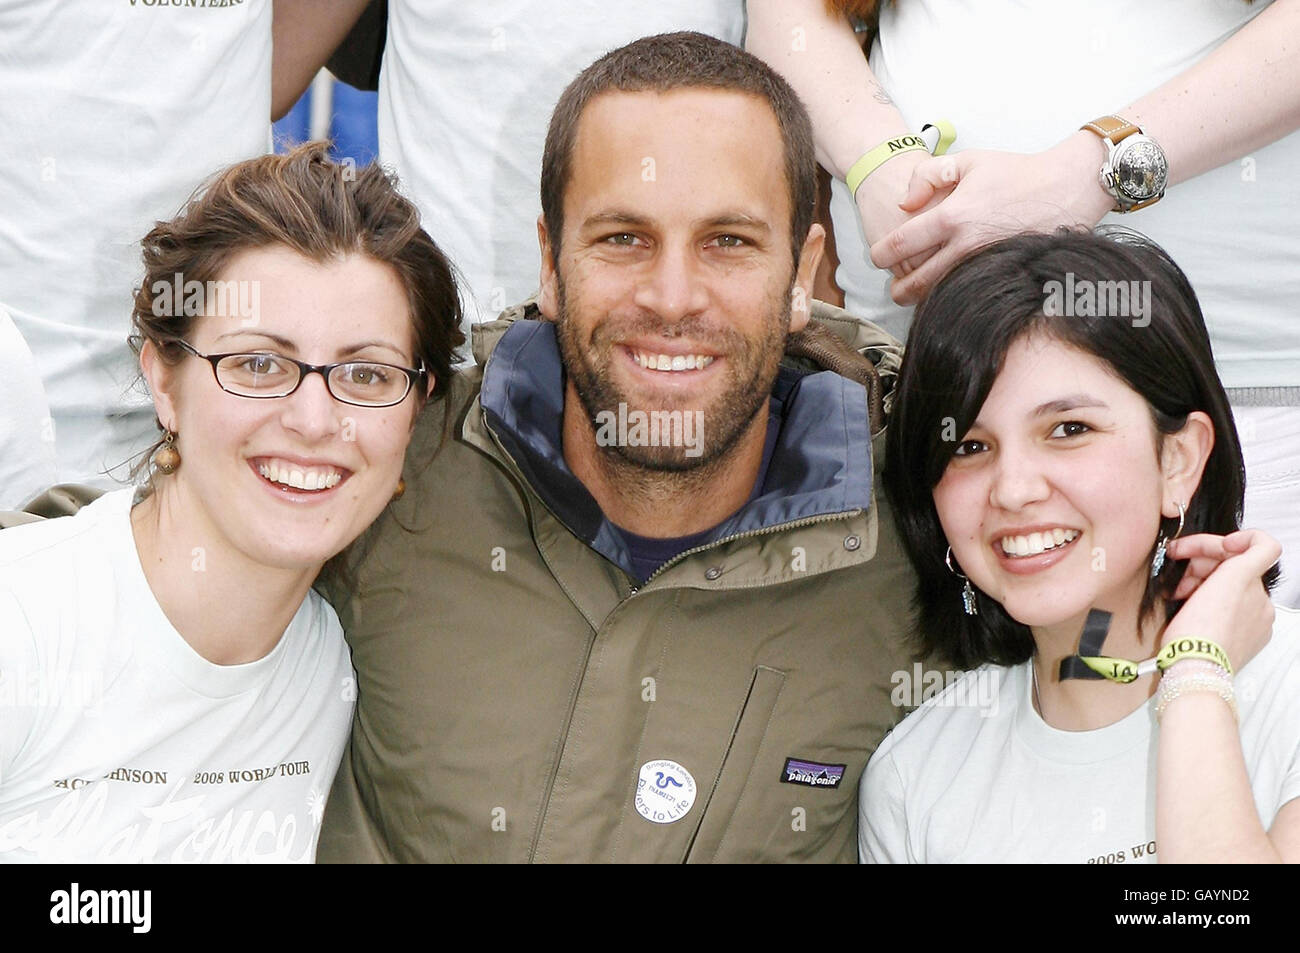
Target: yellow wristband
1125,671
1193,648
1118,669
947,135
874,158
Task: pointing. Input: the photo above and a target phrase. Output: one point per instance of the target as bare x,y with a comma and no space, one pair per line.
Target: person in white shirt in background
465,94
172,687
1047,469
111,113
26,450
1216,84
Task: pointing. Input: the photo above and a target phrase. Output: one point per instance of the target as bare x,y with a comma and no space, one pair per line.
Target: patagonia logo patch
814,774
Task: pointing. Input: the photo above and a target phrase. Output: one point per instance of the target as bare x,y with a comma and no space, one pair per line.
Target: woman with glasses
176,689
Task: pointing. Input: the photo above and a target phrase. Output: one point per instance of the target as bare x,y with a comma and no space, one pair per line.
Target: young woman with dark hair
1068,483
177,691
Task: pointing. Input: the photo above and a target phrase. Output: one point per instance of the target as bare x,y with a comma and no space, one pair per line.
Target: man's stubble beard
751,370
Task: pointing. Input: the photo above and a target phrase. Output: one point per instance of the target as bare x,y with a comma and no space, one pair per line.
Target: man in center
643,602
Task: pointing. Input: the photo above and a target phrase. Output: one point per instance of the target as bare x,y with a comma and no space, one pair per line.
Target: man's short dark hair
672,61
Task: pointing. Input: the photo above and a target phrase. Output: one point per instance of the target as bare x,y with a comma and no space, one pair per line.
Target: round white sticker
665,791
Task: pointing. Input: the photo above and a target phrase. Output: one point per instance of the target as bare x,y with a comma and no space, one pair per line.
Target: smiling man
670,282
643,604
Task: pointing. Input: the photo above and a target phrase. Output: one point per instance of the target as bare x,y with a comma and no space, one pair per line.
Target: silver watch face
1139,169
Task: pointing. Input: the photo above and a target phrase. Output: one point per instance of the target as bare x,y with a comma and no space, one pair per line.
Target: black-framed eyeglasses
264,375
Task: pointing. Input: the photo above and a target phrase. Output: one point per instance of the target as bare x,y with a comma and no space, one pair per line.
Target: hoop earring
1158,561
967,591
401,488
167,458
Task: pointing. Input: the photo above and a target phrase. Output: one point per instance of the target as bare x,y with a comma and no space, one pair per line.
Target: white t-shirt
1021,77
120,743
26,433
111,114
465,96
975,775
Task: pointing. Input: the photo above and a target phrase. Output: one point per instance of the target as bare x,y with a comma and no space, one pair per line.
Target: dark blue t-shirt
649,553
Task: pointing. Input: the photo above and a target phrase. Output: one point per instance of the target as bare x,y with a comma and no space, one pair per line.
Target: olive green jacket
519,696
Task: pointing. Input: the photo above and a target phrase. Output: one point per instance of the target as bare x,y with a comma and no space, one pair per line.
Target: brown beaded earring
167,458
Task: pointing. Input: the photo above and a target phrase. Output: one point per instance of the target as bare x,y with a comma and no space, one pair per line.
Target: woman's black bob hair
958,342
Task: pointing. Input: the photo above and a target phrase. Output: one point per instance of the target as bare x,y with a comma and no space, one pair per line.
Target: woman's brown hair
868,11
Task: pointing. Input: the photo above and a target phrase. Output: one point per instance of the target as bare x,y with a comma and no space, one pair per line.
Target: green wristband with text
874,158
1124,671
1180,649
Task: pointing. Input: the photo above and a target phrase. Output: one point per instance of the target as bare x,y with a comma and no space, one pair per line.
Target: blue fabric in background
354,125
295,126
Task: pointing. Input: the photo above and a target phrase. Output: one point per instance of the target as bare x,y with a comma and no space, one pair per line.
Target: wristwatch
1135,170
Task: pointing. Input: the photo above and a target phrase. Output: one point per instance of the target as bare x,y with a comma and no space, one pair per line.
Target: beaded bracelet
1207,677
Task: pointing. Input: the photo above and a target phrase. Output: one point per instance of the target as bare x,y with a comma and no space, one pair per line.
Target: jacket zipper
762,531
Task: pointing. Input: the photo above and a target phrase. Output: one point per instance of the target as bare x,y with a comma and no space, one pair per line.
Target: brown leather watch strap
1112,127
